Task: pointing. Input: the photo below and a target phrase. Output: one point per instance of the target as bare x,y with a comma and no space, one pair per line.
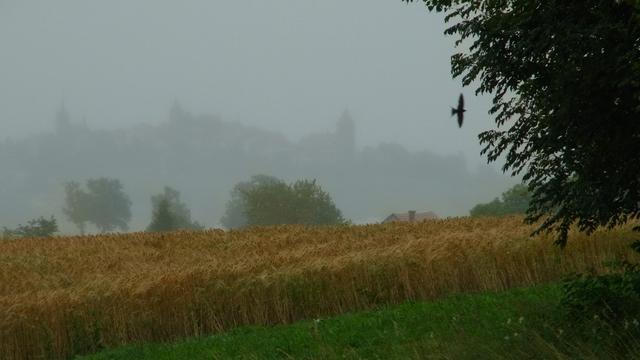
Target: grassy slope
510,325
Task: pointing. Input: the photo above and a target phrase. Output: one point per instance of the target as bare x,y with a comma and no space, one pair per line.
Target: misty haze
319,179
200,95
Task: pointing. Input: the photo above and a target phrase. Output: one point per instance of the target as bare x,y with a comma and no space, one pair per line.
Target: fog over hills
278,77
290,66
204,156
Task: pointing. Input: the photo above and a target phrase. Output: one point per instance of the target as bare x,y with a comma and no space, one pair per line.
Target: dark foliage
303,202
104,204
611,297
163,219
565,80
77,205
235,212
600,305
170,213
39,227
514,201
111,206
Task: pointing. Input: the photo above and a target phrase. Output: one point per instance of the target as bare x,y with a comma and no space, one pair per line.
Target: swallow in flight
459,110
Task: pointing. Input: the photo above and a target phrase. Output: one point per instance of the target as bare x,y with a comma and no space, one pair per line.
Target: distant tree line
514,201
39,227
262,200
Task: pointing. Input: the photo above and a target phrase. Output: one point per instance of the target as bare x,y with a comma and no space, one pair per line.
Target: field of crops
72,295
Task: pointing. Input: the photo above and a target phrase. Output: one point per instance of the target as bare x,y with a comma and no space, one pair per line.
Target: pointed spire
177,112
346,132
63,119
346,122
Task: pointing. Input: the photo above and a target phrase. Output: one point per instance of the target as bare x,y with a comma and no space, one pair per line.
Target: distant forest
203,157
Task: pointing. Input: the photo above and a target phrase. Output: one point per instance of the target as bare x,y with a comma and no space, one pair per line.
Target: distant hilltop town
204,157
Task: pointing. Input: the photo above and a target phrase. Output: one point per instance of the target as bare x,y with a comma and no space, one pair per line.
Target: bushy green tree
565,81
170,213
312,205
111,206
235,213
39,227
104,204
514,201
303,202
77,205
163,219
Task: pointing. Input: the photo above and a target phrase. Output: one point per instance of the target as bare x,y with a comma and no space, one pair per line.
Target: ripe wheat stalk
72,295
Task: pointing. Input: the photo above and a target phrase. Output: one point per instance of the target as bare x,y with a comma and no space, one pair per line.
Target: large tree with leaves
565,81
111,205
77,205
514,201
104,204
235,214
170,213
302,202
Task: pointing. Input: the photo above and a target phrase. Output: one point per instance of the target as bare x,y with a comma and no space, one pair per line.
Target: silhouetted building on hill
206,156
63,120
331,146
346,134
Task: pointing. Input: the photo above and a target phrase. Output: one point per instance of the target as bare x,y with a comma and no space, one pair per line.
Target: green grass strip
507,325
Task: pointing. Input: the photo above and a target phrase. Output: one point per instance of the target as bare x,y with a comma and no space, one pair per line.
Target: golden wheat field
70,295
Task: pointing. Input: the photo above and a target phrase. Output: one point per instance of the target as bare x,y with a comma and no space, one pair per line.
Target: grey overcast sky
287,65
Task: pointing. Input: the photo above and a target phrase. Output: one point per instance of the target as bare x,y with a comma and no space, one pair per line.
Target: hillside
76,295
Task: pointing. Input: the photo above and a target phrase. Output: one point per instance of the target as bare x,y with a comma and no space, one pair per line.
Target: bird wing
460,118
461,103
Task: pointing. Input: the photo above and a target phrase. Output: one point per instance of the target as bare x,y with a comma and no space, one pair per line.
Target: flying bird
459,111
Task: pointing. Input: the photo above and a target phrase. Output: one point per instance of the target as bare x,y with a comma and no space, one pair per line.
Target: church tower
346,134
177,112
63,120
